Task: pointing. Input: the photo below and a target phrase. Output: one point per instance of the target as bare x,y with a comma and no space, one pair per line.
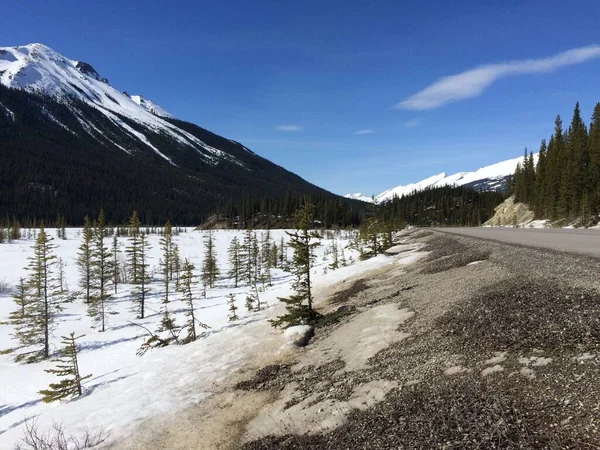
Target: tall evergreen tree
102,273
235,260
84,259
186,288
303,241
142,287
133,248
43,303
115,262
210,269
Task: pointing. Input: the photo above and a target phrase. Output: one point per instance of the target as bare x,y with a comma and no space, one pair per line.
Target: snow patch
491,370
454,370
497,359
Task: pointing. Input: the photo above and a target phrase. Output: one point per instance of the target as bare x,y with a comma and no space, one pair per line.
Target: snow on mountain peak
39,69
152,107
492,177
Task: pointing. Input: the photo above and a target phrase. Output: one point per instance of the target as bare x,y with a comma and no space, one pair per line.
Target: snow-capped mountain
72,143
488,178
152,107
39,69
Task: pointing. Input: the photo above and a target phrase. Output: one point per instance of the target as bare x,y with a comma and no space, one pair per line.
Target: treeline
443,206
280,212
565,182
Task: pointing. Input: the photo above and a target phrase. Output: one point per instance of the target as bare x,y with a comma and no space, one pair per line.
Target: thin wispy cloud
364,132
473,82
412,123
289,128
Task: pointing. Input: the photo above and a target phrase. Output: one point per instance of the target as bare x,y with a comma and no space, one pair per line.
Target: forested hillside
444,206
565,183
68,159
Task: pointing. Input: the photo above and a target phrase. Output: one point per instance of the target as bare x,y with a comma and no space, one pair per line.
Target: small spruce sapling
68,369
232,308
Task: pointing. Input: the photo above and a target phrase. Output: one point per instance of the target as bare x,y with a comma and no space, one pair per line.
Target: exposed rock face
510,213
87,69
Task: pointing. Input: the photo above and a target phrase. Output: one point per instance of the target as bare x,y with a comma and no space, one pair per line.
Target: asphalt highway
586,241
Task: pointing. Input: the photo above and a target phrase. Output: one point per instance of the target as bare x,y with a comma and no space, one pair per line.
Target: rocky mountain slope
71,143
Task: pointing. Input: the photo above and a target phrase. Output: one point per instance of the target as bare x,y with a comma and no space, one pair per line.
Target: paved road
575,240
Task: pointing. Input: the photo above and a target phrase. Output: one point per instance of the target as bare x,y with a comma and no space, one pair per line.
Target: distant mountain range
489,178
70,143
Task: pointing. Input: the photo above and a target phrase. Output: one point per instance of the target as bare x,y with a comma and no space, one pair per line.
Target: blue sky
297,81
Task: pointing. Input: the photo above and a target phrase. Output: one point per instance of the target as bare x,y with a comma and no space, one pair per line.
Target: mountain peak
38,68
488,178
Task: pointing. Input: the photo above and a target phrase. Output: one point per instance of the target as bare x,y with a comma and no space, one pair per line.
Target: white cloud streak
289,128
364,132
473,82
412,123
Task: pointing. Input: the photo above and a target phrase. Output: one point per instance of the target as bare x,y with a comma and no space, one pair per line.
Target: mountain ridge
493,177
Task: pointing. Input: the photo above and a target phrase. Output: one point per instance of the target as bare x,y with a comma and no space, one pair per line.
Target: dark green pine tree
132,249
142,287
20,297
247,256
235,260
186,289
84,259
115,262
574,172
67,368
594,152
232,308
42,302
303,241
541,182
210,269
556,163
102,274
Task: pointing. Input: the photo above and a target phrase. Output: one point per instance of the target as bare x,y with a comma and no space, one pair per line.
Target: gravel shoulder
477,345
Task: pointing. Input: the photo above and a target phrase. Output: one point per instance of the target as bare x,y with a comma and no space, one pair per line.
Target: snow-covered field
126,389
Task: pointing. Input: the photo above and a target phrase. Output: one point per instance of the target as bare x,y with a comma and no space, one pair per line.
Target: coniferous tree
115,262
232,308
68,369
102,273
84,259
186,288
175,271
167,331
42,304
235,260
142,288
247,256
62,283
210,270
335,263
303,241
20,297
133,248
15,231
540,188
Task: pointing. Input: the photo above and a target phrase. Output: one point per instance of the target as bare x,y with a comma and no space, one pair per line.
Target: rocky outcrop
510,212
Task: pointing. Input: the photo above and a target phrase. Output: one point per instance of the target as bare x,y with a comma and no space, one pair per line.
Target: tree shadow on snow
95,345
7,409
